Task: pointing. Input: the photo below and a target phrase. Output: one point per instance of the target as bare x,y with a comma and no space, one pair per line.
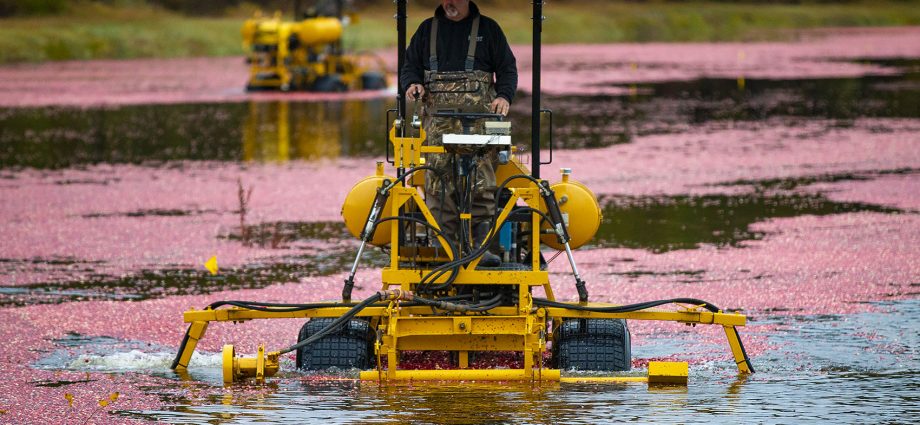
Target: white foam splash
136,360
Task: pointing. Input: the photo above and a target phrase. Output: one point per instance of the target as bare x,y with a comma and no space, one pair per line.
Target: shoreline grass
96,31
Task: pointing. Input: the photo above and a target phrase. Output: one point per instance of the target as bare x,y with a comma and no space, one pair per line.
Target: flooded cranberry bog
781,180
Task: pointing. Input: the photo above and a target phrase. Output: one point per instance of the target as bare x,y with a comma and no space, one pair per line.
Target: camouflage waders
467,91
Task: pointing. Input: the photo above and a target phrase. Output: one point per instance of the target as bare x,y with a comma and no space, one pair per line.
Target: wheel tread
593,344
349,347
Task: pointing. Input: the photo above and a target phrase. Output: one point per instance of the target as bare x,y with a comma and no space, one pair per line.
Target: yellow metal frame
414,328
523,328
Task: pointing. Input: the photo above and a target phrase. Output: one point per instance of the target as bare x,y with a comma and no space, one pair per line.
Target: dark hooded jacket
493,54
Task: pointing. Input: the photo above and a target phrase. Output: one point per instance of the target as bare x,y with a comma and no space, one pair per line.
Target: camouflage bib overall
467,91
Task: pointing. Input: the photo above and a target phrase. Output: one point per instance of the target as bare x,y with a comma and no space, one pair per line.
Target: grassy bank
91,31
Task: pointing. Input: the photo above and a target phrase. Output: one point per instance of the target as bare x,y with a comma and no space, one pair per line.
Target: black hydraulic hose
743,351
286,307
337,323
391,295
411,171
455,264
629,307
642,306
454,267
487,305
271,307
382,193
281,308
255,305
478,252
557,222
175,362
537,212
422,222
516,177
448,306
440,270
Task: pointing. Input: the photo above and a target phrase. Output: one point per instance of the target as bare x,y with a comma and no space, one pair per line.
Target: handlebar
468,116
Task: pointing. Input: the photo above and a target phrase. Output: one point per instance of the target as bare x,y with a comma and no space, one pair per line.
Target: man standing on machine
459,60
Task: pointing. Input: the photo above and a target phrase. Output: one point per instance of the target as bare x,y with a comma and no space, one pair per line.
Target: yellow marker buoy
211,265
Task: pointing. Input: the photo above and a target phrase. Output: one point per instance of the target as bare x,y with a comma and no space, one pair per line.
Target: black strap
470,54
433,50
474,38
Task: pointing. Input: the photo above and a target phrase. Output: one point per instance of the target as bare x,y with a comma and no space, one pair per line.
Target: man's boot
479,234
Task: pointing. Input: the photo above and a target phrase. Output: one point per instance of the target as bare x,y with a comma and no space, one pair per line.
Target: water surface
793,198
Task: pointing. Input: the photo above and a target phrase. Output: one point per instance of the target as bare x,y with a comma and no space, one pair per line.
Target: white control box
476,140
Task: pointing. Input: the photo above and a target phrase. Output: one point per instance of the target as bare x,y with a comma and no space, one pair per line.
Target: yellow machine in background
307,54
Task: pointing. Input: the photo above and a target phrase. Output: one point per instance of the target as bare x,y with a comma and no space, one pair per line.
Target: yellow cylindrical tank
262,30
249,31
318,31
358,204
580,209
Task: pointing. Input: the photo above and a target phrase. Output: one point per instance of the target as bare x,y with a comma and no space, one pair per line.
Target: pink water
803,266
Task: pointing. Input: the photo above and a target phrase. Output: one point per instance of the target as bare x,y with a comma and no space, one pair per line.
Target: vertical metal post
537,38
400,61
401,113
401,57
338,48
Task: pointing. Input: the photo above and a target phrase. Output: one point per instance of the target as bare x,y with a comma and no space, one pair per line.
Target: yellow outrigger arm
408,324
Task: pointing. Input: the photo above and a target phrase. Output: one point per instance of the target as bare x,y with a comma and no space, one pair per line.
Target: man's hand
500,106
415,92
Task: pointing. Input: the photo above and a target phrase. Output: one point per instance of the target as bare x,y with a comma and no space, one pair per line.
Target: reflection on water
281,131
684,222
52,138
668,107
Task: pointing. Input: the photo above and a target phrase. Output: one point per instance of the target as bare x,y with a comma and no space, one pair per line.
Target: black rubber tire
251,88
329,84
593,345
373,81
352,346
